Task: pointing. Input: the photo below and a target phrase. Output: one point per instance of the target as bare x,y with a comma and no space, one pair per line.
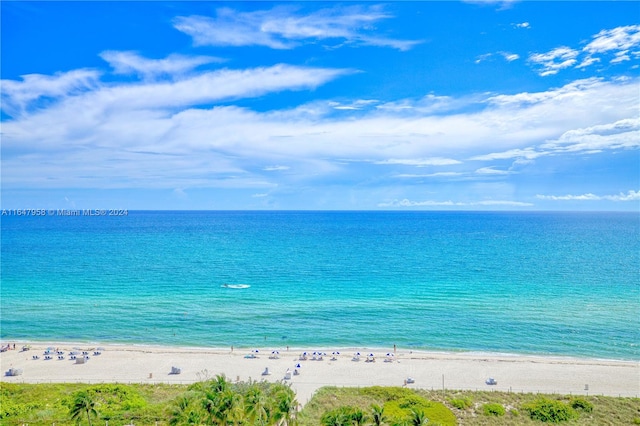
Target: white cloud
622,134
427,175
151,134
526,153
132,63
507,56
17,95
510,57
491,171
621,56
522,25
420,162
282,28
448,203
554,60
616,39
629,196
276,168
193,90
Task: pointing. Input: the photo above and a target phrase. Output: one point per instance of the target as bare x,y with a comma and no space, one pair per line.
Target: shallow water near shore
560,284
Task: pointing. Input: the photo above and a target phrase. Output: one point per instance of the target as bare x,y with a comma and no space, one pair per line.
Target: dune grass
45,404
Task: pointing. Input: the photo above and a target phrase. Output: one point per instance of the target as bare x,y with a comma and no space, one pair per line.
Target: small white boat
237,286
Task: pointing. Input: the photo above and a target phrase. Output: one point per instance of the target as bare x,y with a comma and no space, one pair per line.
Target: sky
479,105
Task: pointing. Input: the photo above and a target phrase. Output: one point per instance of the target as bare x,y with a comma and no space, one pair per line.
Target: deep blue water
526,283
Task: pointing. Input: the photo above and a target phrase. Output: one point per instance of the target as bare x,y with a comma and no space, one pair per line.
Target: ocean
547,283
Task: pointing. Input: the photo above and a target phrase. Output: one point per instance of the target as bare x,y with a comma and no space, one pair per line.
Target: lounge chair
14,372
266,372
176,370
287,375
410,380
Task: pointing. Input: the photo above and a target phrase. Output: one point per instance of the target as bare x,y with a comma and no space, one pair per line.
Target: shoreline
126,363
424,351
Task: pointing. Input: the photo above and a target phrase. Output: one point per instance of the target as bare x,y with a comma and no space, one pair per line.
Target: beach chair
266,372
287,375
176,370
14,372
410,380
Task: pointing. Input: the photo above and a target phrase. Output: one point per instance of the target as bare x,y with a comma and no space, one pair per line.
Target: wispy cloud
507,56
629,196
555,60
284,28
420,162
99,137
193,90
132,63
448,203
17,95
616,39
619,42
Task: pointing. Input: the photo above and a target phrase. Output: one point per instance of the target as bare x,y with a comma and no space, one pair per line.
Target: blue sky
321,105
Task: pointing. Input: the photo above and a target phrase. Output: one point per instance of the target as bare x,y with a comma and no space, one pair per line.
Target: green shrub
514,412
582,404
549,410
636,420
387,393
401,410
343,416
461,403
493,409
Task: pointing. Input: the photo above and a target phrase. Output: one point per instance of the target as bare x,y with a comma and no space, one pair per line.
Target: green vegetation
493,409
550,410
219,401
461,403
581,404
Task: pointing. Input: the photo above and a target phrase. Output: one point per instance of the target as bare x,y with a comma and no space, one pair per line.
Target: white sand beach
153,364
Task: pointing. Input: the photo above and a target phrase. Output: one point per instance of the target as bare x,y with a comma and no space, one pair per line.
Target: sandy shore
152,364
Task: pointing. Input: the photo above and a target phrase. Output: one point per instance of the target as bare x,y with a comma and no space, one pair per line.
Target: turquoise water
524,283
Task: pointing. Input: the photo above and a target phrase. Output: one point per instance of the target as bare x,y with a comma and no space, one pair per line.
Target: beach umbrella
298,365
371,355
255,351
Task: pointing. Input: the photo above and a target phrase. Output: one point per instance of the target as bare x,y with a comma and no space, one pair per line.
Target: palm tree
357,417
223,407
256,405
183,411
418,418
286,406
377,415
83,403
